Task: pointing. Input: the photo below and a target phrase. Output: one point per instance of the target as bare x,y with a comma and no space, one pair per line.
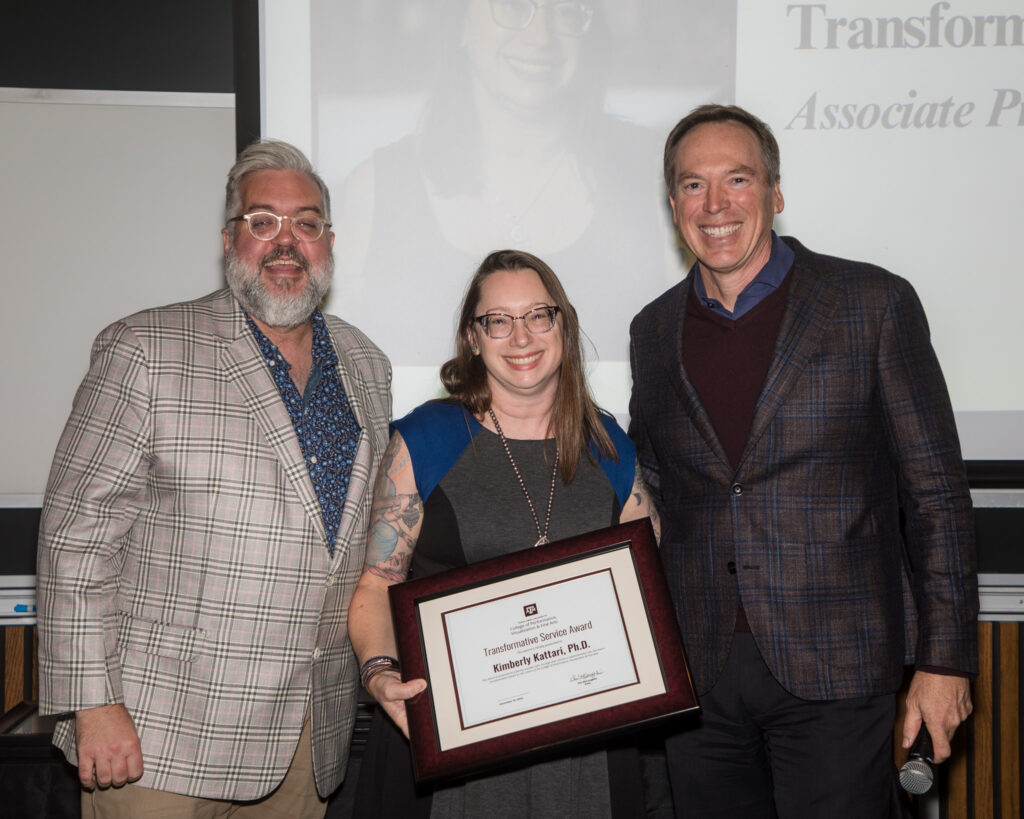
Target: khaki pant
295,797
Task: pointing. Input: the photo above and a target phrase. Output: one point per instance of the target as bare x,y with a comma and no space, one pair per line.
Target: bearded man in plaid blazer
788,409
204,527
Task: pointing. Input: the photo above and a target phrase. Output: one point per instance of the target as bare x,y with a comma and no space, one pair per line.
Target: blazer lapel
246,369
810,303
355,390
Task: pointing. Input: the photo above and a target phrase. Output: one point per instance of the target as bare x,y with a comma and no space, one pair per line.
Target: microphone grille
916,776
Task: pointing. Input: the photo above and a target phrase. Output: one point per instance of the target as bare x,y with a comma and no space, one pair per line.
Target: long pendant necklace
541,533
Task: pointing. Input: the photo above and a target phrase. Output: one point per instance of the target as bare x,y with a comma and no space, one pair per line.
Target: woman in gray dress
517,456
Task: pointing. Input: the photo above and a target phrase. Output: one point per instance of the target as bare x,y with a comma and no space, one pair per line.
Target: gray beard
273,310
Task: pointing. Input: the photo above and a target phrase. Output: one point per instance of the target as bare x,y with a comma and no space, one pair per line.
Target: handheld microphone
917,773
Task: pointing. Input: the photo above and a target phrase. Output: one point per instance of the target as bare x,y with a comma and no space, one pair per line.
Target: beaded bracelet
374,666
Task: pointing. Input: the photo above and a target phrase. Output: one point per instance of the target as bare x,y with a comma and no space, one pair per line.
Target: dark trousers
758,751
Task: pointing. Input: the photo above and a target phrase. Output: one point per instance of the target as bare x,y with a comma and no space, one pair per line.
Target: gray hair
270,155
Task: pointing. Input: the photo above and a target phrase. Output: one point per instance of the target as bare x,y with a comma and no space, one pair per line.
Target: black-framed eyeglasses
264,225
499,325
571,18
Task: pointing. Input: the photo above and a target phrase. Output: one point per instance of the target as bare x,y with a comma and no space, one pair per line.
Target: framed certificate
539,648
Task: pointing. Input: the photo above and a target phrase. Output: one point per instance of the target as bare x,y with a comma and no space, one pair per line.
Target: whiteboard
112,202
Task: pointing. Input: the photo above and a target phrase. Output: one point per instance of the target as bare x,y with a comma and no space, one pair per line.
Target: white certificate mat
532,649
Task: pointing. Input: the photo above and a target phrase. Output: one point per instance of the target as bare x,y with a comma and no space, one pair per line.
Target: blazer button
736,489
731,566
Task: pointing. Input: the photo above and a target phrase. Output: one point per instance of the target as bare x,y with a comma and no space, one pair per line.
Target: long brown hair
575,421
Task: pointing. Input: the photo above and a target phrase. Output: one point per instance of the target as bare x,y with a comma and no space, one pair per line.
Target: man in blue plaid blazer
204,527
793,424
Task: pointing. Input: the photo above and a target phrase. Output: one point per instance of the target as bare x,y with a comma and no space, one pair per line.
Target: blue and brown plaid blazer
183,563
853,426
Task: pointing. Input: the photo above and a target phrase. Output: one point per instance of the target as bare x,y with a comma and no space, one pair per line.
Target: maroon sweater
727,360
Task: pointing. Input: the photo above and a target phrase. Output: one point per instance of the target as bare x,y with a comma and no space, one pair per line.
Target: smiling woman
519,338
518,456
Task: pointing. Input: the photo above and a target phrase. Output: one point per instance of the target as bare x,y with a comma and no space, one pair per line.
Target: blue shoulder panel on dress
621,472
436,434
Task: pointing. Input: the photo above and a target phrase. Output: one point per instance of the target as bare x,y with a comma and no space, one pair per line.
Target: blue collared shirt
764,283
327,430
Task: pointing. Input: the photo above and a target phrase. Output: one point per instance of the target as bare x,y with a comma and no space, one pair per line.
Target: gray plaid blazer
183,564
853,426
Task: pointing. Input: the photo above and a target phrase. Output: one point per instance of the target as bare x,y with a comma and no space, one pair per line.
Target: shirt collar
324,355
764,283
323,348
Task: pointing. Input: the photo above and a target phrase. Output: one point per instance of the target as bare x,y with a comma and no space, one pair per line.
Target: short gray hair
270,155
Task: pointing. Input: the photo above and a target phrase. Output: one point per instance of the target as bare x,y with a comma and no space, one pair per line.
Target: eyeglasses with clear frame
499,325
265,226
571,18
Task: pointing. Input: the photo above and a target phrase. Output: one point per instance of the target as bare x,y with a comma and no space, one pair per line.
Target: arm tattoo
647,503
394,519
638,483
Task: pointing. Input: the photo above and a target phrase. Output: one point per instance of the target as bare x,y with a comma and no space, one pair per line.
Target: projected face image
524,53
723,204
460,127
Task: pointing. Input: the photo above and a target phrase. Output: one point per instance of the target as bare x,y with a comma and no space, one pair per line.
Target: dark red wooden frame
431,763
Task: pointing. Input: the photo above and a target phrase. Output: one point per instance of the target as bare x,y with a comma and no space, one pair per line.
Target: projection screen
444,134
